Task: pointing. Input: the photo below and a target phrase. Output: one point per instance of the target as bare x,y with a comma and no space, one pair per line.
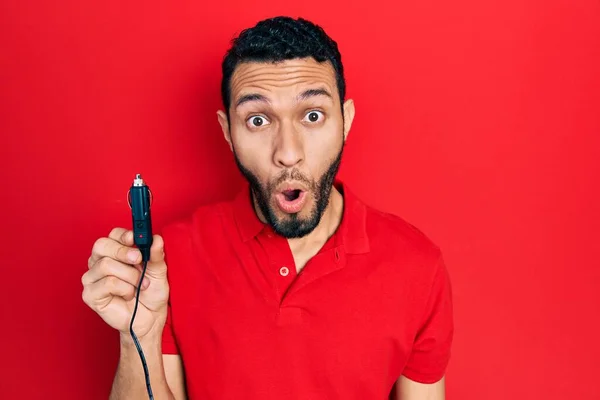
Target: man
295,289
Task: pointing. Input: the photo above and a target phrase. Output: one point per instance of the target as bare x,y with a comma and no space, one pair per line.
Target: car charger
139,199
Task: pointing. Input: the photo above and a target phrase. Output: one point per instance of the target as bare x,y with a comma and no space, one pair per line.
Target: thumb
157,250
156,266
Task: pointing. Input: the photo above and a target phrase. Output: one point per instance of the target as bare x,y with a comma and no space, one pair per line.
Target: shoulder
407,258
389,231
407,253
201,219
199,234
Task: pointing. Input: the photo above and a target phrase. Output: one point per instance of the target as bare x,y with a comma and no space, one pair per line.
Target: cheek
252,153
323,145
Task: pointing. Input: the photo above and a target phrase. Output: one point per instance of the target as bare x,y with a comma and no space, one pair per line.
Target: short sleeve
431,348
169,345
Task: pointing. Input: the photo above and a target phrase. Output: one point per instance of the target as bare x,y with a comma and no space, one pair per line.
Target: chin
294,225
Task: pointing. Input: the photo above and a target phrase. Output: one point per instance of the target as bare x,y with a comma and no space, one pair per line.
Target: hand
110,284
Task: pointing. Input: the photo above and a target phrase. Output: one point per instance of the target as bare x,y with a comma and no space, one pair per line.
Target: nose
289,147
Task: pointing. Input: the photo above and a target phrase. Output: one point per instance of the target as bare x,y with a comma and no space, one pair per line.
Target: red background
476,121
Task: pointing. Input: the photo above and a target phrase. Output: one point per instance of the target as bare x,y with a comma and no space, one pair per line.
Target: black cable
139,199
135,339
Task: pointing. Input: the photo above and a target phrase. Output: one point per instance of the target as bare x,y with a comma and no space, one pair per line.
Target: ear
224,122
348,116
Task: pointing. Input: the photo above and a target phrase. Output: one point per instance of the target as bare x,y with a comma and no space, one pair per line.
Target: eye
314,116
257,121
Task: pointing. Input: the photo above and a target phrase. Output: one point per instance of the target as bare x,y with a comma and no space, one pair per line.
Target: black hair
278,39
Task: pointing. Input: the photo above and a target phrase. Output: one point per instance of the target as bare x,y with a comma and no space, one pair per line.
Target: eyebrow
251,97
313,93
302,96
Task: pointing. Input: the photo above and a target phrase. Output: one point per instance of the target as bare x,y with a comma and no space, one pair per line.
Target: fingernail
145,283
132,255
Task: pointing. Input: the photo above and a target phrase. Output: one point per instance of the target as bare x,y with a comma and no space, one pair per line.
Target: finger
107,247
122,235
157,250
109,267
110,286
156,268
140,269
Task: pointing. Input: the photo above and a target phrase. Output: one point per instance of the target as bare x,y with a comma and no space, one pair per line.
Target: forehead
285,78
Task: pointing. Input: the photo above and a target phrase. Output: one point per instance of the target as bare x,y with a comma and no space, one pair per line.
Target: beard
292,225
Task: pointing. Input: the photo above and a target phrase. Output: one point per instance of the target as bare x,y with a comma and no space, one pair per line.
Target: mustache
293,174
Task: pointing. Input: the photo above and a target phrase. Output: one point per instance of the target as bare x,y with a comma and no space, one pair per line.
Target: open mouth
291,200
291,195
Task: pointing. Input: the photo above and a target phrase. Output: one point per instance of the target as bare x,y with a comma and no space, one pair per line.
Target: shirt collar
352,230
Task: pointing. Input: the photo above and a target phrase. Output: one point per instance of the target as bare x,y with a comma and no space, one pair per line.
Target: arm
407,389
175,375
130,383
423,377
172,360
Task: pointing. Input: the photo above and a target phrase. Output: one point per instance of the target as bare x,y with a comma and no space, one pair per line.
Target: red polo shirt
373,304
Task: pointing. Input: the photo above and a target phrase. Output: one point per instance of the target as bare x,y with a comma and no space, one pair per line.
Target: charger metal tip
138,181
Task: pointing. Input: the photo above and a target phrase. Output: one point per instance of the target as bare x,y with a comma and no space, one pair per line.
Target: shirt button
284,271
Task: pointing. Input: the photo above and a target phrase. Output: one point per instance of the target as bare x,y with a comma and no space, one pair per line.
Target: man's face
287,132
